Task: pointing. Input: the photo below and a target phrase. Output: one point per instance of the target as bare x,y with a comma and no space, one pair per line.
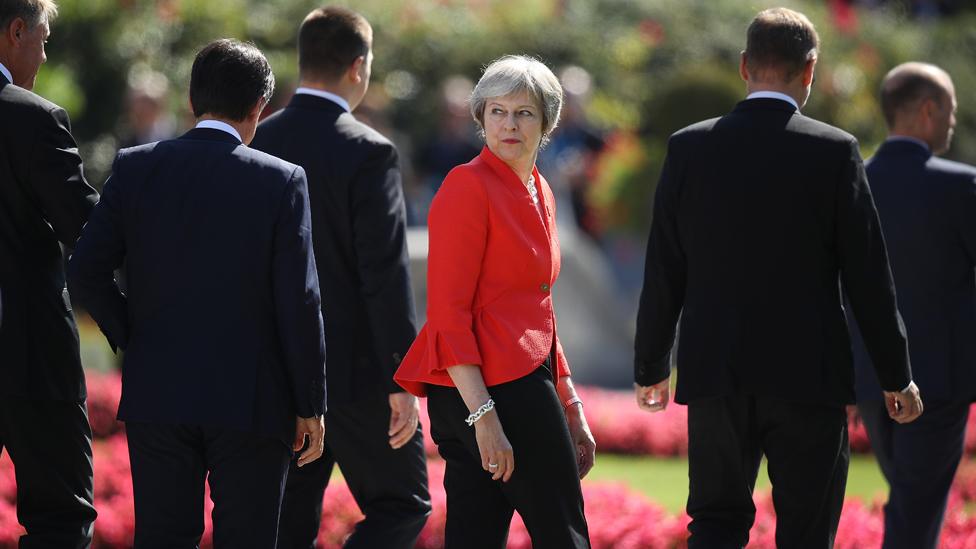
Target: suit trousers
171,462
390,486
50,444
545,487
919,460
806,447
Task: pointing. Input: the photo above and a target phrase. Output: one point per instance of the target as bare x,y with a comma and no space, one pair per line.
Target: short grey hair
33,12
514,74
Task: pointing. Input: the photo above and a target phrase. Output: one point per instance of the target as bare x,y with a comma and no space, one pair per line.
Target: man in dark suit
221,323
44,201
759,217
358,221
927,207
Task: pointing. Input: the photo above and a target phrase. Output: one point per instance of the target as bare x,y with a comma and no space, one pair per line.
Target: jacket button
544,287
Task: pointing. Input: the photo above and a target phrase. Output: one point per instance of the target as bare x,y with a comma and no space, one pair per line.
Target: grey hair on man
33,12
513,74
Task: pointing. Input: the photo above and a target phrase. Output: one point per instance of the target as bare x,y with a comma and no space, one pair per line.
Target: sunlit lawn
665,480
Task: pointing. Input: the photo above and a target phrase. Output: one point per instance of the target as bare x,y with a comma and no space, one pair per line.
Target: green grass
665,480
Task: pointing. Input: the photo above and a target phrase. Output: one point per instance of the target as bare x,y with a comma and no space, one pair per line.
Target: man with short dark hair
927,207
44,202
358,219
224,371
759,217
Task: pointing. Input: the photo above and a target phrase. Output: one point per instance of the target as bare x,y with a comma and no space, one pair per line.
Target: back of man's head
906,87
779,44
32,12
330,40
228,79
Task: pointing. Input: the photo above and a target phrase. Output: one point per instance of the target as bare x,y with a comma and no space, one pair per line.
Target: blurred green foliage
656,65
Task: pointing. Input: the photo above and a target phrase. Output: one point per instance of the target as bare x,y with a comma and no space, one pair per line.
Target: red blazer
492,261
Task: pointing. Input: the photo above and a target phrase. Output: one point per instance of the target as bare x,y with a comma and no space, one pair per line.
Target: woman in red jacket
489,359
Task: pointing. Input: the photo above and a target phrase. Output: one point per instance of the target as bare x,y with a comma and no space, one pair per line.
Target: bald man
927,207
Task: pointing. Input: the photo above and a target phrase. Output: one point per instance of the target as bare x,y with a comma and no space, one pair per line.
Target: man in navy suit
44,202
359,224
927,207
759,217
221,324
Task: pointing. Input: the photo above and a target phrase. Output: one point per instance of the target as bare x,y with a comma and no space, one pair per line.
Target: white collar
6,73
218,125
909,139
338,100
774,95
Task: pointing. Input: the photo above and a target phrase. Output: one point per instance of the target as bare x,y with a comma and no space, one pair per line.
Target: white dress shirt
774,95
338,100
6,73
218,125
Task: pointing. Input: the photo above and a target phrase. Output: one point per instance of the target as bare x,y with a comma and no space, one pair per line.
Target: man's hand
404,418
904,406
314,428
654,398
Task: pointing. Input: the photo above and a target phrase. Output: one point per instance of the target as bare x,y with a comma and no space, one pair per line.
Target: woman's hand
579,431
497,456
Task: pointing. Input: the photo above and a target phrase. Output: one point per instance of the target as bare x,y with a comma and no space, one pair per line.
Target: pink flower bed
618,517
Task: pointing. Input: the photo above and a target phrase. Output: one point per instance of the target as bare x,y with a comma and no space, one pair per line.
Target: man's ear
16,30
928,111
353,73
257,109
743,71
808,69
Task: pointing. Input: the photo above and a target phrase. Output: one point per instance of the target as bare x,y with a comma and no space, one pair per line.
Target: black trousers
50,446
544,488
390,486
919,460
807,451
170,464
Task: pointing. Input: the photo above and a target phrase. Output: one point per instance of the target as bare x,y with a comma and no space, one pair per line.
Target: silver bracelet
482,410
570,402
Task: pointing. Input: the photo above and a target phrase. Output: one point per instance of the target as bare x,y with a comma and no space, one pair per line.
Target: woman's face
513,128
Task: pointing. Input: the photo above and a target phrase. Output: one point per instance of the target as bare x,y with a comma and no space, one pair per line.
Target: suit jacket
928,212
760,218
493,259
44,202
221,324
359,228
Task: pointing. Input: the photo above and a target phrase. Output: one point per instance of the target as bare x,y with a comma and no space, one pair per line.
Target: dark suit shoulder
349,127
822,130
257,163
695,130
267,160
26,102
955,170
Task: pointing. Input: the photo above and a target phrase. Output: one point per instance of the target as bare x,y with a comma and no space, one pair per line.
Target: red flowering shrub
104,391
618,517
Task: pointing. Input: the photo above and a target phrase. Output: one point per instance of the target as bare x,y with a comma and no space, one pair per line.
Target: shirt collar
218,125
6,73
909,139
774,95
338,100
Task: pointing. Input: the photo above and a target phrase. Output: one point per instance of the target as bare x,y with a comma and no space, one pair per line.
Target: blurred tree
655,64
